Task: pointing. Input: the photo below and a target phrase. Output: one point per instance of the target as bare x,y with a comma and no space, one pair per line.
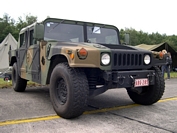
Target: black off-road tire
151,94
18,84
68,91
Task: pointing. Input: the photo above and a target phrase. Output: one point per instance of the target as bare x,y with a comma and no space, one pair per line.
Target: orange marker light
82,52
161,55
72,56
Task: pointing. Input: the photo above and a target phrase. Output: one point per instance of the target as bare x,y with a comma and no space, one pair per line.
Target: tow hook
133,81
150,77
120,80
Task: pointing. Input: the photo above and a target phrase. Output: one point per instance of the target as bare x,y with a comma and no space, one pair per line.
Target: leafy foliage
140,37
9,25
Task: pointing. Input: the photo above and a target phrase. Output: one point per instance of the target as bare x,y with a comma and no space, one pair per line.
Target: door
33,59
21,61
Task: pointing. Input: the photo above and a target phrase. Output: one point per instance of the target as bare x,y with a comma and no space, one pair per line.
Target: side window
26,38
22,39
31,41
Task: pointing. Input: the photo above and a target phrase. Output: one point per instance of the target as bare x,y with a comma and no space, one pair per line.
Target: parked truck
83,59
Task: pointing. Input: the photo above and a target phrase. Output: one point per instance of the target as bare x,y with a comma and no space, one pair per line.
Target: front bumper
126,79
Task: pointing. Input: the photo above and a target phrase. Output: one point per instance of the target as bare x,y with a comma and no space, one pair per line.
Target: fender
57,50
70,51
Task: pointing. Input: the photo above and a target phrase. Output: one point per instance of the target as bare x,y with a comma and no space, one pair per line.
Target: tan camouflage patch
43,56
92,59
23,69
29,58
44,63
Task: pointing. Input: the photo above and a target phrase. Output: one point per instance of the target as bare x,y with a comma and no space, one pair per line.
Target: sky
146,15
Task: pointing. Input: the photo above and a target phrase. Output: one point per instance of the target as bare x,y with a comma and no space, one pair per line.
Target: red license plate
141,82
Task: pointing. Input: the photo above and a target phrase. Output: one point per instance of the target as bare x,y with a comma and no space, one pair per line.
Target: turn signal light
161,55
82,53
71,56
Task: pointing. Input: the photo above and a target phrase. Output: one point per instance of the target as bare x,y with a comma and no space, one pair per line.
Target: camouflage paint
21,61
44,65
92,60
34,61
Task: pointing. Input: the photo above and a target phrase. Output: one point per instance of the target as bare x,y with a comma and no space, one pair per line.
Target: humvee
79,60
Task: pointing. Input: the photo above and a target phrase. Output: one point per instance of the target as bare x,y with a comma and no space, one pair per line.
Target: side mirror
10,68
127,39
38,32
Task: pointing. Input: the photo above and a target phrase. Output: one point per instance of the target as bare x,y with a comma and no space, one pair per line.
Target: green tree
6,26
29,19
9,25
140,37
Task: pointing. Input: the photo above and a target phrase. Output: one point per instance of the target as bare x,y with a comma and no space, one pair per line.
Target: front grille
124,60
127,59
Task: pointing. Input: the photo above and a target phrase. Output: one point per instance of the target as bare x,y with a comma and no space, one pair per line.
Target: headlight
105,59
147,59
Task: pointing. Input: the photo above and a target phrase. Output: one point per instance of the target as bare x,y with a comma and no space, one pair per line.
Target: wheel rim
61,89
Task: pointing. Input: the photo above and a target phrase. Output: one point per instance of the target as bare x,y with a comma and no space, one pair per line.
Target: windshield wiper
56,26
98,29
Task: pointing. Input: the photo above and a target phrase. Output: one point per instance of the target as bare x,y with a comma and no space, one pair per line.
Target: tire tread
20,84
80,91
154,95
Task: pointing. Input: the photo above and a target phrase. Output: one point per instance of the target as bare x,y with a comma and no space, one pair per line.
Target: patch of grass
31,84
172,75
6,84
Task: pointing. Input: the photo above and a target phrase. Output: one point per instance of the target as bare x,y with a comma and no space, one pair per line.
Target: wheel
150,94
68,91
18,83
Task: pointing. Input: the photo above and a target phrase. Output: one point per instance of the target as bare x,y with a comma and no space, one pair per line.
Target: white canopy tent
8,43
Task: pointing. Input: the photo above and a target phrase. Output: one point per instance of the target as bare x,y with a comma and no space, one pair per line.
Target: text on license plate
141,82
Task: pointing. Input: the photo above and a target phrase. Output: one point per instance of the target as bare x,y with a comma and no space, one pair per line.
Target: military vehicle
83,59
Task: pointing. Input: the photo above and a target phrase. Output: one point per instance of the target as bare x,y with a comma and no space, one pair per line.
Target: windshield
101,35
77,33
63,32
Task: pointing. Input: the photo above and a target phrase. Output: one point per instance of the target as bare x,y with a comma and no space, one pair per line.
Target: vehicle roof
78,22
69,22
27,27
